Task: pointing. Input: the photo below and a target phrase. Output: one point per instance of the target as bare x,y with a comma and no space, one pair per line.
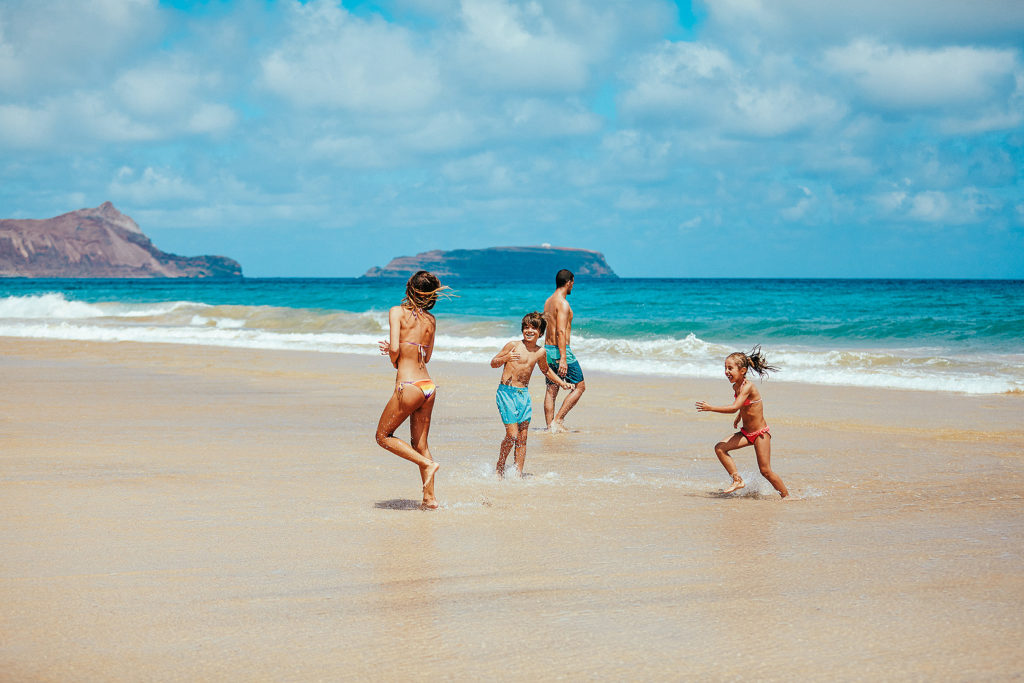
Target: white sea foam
52,316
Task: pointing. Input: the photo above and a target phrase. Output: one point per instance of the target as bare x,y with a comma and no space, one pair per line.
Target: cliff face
499,263
96,243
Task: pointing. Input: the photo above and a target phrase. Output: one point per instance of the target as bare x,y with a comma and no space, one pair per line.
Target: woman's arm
395,323
430,340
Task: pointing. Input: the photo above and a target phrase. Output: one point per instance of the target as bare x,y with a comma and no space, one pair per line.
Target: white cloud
506,45
899,78
152,186
25,127
691,83
335,60
69,43
812,22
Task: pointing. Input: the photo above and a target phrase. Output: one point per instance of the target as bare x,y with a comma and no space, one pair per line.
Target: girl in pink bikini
754,432
409,348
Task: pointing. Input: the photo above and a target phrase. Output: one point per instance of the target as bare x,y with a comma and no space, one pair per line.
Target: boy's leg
523,431
511,430
722,449
763,449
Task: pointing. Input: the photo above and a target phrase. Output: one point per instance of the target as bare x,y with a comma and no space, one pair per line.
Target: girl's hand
701,406
736,422
385,347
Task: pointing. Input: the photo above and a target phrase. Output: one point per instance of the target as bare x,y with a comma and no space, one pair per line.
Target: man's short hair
536,320
563,277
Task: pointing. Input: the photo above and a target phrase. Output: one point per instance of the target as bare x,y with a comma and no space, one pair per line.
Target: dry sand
189,513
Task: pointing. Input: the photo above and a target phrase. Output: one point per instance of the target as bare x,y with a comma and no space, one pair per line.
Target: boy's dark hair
563,277
535,320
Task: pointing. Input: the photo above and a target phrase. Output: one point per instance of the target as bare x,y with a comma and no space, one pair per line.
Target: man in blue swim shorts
513,395
558,312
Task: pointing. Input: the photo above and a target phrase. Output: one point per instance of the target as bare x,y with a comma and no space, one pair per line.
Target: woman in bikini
409,348
754,432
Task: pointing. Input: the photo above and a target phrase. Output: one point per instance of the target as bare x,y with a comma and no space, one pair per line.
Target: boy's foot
429,505
736,485
556,427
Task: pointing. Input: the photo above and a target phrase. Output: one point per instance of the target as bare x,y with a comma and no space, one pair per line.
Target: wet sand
191,513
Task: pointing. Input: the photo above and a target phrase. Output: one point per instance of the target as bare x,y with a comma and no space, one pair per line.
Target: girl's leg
523,429
506,447
763,449
722,449
419,427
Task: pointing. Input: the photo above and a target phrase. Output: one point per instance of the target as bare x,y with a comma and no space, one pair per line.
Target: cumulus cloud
694,83
62,43
902,79
334,60
151,186
810,23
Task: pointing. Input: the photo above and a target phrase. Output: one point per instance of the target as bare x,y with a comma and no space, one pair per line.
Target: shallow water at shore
961,336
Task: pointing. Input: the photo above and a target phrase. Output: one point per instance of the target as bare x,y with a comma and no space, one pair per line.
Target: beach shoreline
189,512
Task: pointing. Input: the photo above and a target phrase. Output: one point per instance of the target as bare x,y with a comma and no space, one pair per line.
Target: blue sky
734,138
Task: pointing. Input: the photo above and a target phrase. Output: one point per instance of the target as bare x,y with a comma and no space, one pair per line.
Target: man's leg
569,402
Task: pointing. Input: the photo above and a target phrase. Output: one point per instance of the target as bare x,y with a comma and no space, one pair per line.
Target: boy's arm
542,362
505,355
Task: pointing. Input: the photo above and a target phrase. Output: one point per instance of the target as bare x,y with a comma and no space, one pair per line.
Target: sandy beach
198,513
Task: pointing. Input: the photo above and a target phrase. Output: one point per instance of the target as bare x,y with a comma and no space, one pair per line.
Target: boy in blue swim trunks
513,396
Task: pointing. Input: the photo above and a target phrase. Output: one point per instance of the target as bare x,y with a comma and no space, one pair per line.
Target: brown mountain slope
96,243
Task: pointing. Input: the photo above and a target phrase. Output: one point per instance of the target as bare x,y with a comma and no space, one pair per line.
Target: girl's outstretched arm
702,406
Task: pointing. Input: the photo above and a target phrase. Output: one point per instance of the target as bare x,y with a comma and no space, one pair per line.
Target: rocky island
96,243
499,263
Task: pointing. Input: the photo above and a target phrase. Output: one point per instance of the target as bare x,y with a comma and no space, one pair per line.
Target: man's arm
562,336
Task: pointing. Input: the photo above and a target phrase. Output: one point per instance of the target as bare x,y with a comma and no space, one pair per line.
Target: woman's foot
736,485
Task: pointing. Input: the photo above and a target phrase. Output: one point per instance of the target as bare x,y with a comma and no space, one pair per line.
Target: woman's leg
398,409
722,449
419,427
763,449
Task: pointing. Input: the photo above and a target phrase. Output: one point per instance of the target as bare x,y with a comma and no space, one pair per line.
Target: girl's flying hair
755,361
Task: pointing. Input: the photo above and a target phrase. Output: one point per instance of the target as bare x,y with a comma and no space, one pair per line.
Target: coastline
209,512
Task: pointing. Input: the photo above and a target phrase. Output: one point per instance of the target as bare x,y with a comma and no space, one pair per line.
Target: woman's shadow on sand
397,504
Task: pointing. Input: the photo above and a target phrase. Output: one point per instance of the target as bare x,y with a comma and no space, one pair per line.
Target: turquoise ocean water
927,335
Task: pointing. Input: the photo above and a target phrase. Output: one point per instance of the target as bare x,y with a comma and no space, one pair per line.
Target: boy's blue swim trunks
574,373
514,404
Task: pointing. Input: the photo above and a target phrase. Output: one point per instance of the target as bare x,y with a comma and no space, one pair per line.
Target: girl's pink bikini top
748,402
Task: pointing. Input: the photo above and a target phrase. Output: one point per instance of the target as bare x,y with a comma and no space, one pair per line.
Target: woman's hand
385,347
701,406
